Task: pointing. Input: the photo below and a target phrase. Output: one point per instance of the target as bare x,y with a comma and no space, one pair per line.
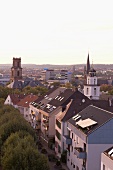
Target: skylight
76,117
56,97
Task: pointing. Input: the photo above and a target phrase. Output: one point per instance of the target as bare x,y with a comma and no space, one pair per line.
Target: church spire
88,65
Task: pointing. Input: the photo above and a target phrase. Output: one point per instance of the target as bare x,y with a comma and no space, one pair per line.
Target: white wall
108,162
92,80
91,92
8,100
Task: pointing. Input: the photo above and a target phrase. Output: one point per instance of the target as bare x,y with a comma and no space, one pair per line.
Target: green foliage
2,100
68,85
18,143
52,158
58,163
5,91
23,157
55,84
106,87
35,90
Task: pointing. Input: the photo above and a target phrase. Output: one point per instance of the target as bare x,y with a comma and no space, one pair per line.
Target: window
59,149
103,167
58,123
77,140
95,91
88,81
58,135
73,166
18,73
87,91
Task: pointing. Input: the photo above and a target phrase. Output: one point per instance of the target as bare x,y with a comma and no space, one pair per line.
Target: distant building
16,70
59,75
91,88
13,99
17,82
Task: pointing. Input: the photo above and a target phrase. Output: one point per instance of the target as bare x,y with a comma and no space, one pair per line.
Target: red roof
27,100
15,98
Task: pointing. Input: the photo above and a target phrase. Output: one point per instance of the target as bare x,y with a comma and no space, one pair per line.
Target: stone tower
16,70
91,88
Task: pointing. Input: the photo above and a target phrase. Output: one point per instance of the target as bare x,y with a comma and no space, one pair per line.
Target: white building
46,107
59,75
91,88
107,159
89,134
24,107
13,99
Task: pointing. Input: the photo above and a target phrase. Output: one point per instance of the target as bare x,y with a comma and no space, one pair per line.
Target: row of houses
82,125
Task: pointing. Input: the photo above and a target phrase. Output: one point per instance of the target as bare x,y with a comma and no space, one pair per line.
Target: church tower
16,70
91,88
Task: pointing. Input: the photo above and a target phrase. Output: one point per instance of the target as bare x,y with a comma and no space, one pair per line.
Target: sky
56,31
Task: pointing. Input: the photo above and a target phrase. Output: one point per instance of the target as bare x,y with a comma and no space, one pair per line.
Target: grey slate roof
77,104
99,115
18,84
109,152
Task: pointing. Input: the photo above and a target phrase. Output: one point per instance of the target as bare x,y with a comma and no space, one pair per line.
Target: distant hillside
50,66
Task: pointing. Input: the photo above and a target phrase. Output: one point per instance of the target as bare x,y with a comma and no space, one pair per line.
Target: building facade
16,70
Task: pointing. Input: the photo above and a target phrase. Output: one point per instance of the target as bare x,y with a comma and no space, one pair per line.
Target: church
17,81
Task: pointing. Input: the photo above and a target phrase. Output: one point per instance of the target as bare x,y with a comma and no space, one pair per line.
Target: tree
106,87
12,121
20,153
2,100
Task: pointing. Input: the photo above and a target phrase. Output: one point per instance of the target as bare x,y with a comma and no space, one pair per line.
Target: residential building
75,104
13,99
24,107
47,107
107,159
89,134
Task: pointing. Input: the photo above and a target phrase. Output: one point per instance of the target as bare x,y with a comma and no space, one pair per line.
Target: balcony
68,140
80,153
46,122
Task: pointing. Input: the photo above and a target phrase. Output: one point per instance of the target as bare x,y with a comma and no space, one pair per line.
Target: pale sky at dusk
56,31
